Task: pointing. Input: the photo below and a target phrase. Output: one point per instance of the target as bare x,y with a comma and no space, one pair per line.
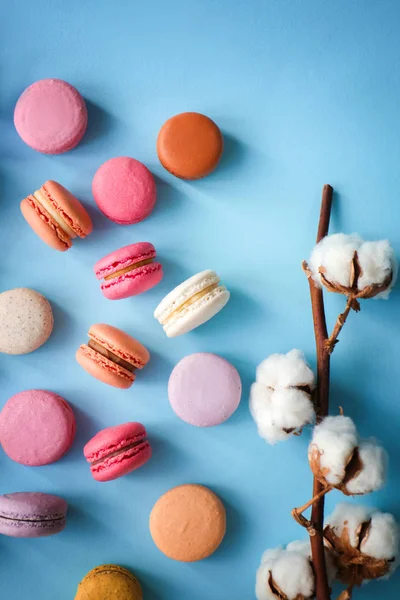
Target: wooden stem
323,369
301,509
341,320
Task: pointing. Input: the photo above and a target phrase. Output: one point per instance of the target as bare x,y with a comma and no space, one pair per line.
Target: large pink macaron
124,190
56,216
51,116
129,271
37,427
112,356
117,451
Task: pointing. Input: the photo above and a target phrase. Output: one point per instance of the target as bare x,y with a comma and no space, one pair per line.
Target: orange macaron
189,145
112,356
56,216
188,523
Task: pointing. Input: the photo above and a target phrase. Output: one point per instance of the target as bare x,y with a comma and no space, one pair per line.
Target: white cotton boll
373,473
295,371
333,444
377,260
291,408
351,517
335,253
304,547
261,411
293,574
285,370
263,590
382,540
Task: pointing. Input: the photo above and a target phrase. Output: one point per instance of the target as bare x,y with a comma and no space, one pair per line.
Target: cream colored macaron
26,321
192,303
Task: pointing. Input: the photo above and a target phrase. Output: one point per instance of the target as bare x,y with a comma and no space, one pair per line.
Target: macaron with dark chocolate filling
112,356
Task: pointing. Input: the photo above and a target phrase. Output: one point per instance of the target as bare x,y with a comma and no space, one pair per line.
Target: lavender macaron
32,514
204,389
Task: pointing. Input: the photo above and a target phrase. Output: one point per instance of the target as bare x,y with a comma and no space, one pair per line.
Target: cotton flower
281,397
347,265
288,574
340,459
365,542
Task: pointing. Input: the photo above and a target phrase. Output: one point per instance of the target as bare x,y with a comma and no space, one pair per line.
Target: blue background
306,93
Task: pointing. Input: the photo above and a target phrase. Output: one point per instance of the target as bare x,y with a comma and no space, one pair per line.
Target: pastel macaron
26,321
192,303
124,190
56,216
109,582
129,271
32,514
204,389
189,145
117,451
51,116
188,523
112,356
37,427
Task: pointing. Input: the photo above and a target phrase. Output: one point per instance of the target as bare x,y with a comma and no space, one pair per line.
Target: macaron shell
189,145
123,464
26,321
124,257
183,292
44,226
103,369
69,208
51,116
204,389
37,427
32,514
133,283
124,190
197,313
188,523
120,343
116,440
112,438
109,582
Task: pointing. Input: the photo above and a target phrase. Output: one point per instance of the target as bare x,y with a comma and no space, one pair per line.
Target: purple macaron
204,389
31,514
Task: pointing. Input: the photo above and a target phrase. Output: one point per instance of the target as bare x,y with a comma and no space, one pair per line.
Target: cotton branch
323,374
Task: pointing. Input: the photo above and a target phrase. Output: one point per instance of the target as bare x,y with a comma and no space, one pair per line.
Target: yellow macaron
109,581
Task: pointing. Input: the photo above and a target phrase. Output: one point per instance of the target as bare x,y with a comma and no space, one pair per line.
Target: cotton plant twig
297,513
351,304
316,523
346,594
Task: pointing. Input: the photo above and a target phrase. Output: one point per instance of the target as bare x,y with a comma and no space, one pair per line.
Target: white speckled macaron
192,303
26,321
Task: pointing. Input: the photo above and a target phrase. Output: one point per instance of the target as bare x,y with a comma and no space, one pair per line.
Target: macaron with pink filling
117,451
56,216
129,271
37,427
124,190
51,116
112,356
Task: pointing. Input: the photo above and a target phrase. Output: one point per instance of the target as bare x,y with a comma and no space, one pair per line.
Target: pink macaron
129,271
124,190
117,451
37,427
51,116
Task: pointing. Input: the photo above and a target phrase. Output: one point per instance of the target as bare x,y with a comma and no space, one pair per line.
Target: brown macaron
189,145
109,581
188,523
